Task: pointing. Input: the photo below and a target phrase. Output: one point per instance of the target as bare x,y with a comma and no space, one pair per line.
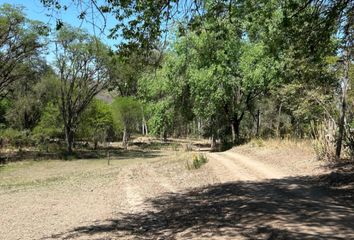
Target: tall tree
20,39
30,93
347,24
127,113
81,63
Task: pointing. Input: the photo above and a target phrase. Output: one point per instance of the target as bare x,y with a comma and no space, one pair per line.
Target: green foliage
127,113
50,124
96,121
198,160
257,142
5,105
16,138
167,94
24,113
81,61
124,72
21,39
31,93
213,76
161,118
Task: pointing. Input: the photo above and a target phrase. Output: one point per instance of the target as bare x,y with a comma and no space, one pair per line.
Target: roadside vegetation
196,162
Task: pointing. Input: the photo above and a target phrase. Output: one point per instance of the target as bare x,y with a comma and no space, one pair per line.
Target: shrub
197,161
96,122
127,114
16,138
50,124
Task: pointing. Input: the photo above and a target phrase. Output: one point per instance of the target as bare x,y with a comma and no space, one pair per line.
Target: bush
257,142
197,161
50,125
17,138
96,123
127,115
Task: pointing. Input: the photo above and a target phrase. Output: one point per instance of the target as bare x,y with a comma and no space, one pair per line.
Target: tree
96,121
30,94
5,105
228,72
81,63
311,42
124,72
140,23
50,124
166,92
20,40
127,114
227,55
348,57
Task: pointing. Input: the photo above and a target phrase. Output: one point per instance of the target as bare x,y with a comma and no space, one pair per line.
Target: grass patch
257,142
305,145
29,174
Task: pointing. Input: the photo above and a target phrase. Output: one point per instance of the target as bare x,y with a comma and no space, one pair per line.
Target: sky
35,10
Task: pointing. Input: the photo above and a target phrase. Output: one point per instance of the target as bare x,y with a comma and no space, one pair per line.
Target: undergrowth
197,161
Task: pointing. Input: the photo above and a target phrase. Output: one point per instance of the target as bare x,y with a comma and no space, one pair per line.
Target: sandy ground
236,195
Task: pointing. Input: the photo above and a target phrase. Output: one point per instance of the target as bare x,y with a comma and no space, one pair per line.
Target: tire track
231,166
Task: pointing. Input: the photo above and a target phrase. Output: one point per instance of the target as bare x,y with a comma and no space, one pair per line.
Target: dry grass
305,146
299,153
30,173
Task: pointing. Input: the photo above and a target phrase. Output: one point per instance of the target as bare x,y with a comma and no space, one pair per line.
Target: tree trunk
233,133
199,128
69,136
125,137
213,142
341,122
258,123
143,126
237,128
164,135
146,129
278,123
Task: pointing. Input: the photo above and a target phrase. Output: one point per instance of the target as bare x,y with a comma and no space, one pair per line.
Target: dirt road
231,197
279,203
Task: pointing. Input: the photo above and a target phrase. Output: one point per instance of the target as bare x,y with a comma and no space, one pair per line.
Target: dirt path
232,166
231,197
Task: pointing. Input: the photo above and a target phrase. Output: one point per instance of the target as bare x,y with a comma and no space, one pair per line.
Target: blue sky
34,10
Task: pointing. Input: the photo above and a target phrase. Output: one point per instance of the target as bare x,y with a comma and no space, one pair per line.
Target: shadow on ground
288,208
132,154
